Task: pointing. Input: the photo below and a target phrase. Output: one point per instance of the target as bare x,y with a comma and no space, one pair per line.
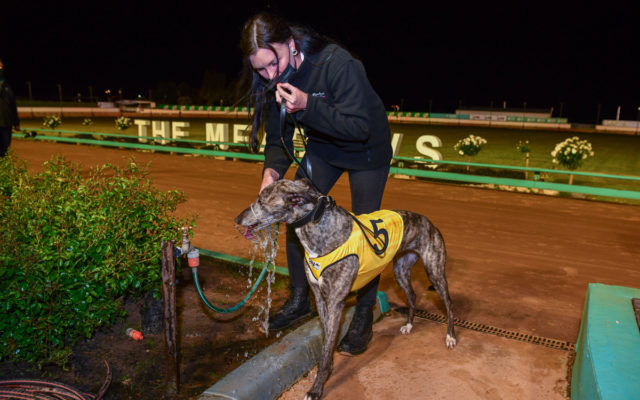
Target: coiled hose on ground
36,389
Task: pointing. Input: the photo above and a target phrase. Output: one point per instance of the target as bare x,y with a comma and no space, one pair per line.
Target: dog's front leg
321,305
333,288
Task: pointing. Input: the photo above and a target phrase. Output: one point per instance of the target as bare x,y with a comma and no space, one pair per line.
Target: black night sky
569,56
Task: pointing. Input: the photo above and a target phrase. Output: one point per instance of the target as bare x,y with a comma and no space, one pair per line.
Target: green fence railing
532,184
518,168
422,173
136,137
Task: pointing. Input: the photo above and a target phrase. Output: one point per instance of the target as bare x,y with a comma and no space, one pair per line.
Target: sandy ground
516,261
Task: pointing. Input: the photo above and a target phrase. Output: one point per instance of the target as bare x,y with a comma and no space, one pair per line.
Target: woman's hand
270,176
296,99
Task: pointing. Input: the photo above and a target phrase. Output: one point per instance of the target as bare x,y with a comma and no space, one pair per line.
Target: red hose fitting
134,334
193,257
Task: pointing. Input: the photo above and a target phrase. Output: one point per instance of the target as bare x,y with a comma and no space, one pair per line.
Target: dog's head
282,201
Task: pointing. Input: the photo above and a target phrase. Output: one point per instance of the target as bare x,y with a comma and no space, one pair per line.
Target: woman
328,94
8,113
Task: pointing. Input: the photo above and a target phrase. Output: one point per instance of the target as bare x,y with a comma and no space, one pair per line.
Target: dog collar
315,214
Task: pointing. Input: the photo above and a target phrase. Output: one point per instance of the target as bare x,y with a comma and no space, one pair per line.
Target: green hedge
74,246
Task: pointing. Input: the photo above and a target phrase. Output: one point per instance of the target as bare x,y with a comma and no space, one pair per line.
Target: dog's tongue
247,233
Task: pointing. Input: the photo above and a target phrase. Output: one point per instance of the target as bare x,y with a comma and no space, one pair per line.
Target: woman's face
265,62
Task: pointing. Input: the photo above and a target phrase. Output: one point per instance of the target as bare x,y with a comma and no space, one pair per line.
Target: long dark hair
260,31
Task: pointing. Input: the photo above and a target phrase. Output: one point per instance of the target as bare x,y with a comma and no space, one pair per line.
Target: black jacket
345,120
8,108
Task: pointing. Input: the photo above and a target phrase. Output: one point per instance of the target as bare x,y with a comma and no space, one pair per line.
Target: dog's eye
296,200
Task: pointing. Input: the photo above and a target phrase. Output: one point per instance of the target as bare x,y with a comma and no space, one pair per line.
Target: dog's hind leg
443,290
434,259
402,271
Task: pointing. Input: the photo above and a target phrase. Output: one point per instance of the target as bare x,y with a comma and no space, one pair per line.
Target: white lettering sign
240,133
143,124
178,131
396,141
422,145
217,133
161,129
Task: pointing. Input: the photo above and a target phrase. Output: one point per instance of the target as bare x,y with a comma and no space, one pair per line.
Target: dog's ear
306,185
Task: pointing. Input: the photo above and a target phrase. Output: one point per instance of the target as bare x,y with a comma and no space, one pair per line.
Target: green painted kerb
607,364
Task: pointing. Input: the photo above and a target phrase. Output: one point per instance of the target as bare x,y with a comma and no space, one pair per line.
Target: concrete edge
275,369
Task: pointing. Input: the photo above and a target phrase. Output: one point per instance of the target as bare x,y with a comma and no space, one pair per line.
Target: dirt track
516,261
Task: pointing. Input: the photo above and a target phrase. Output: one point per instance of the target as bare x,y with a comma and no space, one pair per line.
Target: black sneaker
296,308
359,333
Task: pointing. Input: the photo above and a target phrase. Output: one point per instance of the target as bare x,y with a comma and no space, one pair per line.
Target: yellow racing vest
384,230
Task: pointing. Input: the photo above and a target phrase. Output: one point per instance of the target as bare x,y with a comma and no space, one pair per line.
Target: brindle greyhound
322,227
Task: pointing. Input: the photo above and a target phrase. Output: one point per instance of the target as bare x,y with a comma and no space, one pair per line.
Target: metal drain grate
492,330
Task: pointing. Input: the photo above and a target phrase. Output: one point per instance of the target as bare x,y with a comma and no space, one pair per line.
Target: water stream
264,244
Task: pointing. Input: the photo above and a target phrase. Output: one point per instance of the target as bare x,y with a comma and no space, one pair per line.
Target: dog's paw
406,329
450,341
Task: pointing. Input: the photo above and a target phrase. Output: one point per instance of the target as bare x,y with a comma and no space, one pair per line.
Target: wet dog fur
287,201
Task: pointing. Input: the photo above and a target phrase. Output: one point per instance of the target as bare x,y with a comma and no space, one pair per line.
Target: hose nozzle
185,246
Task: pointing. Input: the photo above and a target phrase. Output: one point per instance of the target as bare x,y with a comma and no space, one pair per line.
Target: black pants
5,140
367,187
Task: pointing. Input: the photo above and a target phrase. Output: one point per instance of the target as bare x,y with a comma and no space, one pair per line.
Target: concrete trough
607,364
272,371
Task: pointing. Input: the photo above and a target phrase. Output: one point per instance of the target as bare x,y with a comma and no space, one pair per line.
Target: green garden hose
192,255
194,273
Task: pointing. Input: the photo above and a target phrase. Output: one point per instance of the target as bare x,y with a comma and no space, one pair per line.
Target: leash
364,229
324,201
307,172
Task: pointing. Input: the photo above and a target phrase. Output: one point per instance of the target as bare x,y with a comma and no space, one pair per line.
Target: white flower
123,123
571,152
470,145
51,121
